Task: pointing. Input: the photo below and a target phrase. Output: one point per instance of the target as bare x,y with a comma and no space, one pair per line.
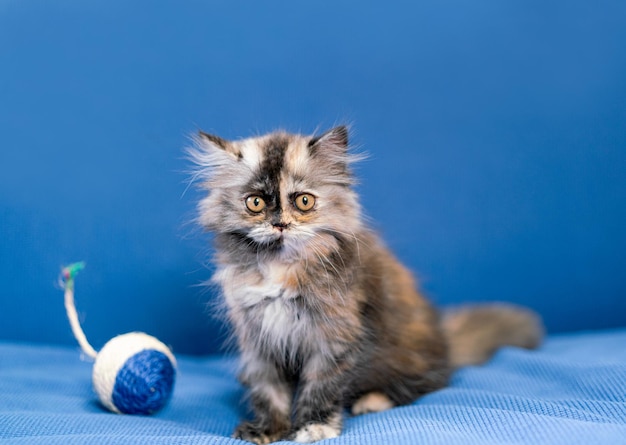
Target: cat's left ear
219,143
334,140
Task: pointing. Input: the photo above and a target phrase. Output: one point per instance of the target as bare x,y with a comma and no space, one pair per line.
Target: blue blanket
570,391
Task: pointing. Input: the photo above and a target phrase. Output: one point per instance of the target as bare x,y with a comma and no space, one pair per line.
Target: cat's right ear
217,142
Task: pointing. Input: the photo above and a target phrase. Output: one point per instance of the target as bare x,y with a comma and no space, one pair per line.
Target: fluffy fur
324,315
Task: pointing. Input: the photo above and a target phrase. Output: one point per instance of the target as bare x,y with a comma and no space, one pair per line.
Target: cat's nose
280,226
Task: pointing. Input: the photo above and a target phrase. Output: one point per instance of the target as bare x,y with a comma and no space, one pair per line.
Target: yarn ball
134,373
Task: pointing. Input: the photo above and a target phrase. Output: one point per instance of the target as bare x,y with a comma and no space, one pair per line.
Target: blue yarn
144,384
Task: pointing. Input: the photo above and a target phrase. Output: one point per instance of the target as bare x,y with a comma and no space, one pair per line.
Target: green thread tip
70,271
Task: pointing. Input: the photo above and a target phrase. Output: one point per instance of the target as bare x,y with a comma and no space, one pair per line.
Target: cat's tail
474,333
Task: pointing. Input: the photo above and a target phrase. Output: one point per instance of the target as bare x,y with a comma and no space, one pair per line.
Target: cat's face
281,193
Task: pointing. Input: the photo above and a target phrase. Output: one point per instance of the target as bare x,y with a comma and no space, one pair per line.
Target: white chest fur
250,287
266,303
281,324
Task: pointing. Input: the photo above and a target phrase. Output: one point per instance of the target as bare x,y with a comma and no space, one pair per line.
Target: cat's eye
255,203
305,202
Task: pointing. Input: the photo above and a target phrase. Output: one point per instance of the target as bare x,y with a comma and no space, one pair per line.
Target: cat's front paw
314,432
257,433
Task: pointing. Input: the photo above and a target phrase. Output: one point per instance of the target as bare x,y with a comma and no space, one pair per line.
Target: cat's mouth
276,238
271,240
279,235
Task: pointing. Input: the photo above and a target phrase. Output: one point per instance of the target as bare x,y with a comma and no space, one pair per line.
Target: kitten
324,315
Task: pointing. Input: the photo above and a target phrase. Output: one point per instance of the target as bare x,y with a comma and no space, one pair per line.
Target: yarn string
67,274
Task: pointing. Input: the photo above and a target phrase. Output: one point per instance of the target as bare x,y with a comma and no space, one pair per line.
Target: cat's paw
256,433
314,432
373,402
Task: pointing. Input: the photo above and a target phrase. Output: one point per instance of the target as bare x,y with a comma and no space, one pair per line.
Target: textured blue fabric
571,391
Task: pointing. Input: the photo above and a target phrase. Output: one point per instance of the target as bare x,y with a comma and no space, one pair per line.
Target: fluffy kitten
324,315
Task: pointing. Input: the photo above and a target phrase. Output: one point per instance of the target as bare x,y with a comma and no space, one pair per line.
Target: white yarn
112,357
72,315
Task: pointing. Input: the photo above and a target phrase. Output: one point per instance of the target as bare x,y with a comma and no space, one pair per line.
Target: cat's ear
217,142
212,139
334,140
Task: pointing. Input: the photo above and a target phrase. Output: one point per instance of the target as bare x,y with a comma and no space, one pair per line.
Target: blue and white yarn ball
134,373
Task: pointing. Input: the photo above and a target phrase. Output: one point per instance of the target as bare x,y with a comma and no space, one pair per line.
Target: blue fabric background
497,171
496,133
569,392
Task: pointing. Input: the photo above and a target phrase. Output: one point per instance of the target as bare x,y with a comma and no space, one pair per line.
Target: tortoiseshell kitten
324,315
